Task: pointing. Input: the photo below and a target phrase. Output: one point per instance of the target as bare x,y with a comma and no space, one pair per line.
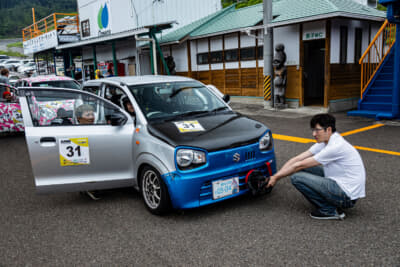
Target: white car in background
27,67
12,64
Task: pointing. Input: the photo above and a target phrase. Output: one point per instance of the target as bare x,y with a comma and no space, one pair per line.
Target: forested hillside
17,14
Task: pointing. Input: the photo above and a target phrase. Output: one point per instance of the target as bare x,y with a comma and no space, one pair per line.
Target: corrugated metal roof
309,8
284,12
189,28
235,19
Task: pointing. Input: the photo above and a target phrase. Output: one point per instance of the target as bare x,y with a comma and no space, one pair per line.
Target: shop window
358,45
248,53
85,26
231,55
260,52
343,45
216,57
202,58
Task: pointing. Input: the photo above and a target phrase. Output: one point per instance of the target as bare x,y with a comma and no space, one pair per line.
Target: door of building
313,73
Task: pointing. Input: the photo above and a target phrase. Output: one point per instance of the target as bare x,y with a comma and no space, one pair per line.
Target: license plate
223,188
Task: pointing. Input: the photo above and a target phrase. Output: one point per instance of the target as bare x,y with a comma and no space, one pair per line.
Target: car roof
136,80
46,78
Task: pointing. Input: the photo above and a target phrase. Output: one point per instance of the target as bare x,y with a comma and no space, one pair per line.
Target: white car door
76,140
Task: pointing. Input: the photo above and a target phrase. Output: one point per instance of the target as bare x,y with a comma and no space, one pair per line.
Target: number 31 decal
74,151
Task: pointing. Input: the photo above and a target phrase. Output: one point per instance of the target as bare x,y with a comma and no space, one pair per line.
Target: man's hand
272,181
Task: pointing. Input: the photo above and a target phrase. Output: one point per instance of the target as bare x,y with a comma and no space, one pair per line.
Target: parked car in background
13,77
10,111
49,81
27,67
12,64
4,57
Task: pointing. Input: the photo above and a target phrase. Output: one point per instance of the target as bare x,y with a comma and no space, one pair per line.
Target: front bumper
193,188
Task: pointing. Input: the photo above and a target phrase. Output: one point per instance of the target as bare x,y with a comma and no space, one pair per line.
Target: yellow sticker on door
74,151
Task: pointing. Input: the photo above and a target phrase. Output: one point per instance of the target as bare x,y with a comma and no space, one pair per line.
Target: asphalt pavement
272,230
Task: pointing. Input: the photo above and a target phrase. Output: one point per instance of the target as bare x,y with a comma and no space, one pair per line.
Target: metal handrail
372,59
50,23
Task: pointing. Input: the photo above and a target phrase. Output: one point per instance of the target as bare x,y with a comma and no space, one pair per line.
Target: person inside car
85,114
128,106
7,96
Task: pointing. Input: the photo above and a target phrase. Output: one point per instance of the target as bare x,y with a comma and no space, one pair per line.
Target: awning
120,35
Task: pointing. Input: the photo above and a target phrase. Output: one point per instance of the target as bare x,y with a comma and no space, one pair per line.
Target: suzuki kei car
182,146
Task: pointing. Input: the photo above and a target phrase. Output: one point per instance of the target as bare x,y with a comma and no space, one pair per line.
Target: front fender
152,160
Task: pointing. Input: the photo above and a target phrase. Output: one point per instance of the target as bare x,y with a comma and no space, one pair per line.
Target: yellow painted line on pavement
378,150
362,129
307,140
293,139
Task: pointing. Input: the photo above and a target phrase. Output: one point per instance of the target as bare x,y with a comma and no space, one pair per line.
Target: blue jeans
322,192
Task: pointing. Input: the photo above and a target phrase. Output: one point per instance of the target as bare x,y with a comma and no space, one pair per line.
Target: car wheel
154,191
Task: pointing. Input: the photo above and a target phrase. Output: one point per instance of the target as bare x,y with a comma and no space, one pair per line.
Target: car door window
94,89
114,94
63,108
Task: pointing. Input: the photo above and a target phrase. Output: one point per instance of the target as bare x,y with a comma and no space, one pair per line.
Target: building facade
322,51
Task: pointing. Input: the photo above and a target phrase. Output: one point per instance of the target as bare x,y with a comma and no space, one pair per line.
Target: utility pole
268,52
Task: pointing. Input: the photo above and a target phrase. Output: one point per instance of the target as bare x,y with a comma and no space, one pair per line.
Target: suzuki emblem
236,157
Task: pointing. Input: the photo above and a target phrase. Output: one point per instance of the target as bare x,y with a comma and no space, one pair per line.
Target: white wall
180,57
351,26
130,14
289,37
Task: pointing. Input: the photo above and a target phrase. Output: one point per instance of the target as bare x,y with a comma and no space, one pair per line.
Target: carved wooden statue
280,74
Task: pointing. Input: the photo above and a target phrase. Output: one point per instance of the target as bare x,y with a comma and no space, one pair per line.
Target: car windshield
168,101
61,84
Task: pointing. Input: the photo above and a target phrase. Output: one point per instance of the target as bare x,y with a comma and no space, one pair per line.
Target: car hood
220,131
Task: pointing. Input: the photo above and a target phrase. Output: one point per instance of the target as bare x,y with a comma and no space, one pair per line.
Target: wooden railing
55,21
376,52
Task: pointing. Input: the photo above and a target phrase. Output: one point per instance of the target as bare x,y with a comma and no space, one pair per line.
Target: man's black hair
325,120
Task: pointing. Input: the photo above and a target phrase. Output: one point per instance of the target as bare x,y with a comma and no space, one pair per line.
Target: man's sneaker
320,216
341,213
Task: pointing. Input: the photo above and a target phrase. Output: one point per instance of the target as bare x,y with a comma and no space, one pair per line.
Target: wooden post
223,62
55,21
240,67
209,62
327,75
301,68
189,56
257,83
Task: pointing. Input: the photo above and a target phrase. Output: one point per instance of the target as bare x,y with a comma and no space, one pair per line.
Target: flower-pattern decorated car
10,110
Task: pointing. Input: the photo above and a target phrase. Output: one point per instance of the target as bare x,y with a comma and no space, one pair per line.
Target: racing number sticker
189,126
74,151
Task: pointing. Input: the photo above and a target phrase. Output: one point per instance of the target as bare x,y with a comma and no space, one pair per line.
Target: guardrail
55,21
376,52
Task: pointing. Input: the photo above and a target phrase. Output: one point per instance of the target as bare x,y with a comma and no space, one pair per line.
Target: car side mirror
226,98
117,118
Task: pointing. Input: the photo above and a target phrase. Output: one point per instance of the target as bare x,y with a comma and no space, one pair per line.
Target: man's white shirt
343,164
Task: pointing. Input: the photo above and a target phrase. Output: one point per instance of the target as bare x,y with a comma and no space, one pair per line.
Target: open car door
76,140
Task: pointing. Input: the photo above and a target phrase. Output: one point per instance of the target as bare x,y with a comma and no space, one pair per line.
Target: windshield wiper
187,114
218,109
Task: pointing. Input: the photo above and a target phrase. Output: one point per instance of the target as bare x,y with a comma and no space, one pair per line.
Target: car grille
250,155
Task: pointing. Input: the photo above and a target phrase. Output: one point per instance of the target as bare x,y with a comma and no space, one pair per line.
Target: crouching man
338,183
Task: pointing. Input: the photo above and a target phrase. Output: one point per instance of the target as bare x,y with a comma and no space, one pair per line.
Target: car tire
154,191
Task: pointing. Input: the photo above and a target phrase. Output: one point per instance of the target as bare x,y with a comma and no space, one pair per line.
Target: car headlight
189,158
265,142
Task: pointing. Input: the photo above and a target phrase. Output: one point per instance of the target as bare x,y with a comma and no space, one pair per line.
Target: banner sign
41,43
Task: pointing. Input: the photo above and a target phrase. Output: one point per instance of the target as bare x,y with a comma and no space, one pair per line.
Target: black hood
221,131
